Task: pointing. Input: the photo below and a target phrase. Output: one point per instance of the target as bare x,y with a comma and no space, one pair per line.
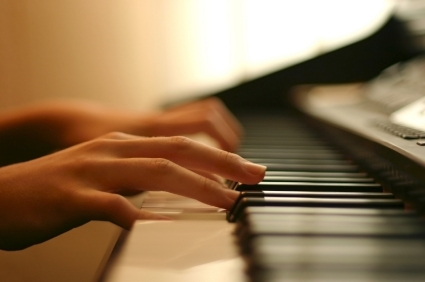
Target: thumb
116,209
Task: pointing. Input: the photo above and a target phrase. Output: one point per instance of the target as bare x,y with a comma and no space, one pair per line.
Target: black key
287,151
326,211
317,174
307,219
289,154
339,229
308,194
299,161
298,194
242,203
312,167
307,186
285,141
279,178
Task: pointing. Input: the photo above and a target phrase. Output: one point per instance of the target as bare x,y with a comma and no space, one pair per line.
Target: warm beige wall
135,53
14,51
131,53
94,49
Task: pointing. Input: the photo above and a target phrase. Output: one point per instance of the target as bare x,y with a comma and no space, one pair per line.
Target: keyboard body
342,200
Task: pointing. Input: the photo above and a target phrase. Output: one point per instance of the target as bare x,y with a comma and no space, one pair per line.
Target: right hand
45,197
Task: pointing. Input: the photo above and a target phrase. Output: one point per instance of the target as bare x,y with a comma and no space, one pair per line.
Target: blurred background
139,54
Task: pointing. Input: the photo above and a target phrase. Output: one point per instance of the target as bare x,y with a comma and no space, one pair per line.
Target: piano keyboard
318,215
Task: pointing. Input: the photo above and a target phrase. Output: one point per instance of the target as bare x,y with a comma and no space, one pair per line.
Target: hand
47,196
47,127
209,116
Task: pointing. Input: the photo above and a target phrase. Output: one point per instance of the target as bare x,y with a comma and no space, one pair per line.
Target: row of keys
317,216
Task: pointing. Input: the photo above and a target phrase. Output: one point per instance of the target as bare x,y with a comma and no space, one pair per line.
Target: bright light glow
280,33
213,44
138,53
200,46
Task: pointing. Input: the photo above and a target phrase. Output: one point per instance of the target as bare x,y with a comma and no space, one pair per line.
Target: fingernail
254,169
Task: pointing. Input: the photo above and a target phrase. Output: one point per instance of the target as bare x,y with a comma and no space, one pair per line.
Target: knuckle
228,157
206,184
113,202
116,135
107,142
98,144
85,165
180,142
160,164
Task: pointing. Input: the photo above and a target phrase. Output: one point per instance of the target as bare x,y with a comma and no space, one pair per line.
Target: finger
192,155
214,126
230,119
114,208
198,120
208,175
159,175
119,136
228,139
215,104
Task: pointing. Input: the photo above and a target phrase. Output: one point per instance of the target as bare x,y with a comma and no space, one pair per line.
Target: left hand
209,116
78,122
47,127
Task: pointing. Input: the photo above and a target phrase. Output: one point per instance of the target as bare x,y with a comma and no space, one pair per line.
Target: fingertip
256,170
229,199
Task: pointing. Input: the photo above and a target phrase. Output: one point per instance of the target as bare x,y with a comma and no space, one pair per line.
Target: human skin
45,196
36,130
